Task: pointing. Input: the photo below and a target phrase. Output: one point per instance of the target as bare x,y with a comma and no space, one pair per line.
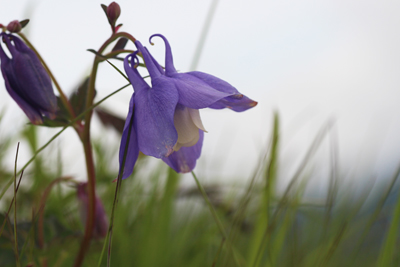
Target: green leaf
24,23
79,96
108,119
104,7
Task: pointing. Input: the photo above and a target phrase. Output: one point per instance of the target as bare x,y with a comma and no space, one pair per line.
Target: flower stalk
86,141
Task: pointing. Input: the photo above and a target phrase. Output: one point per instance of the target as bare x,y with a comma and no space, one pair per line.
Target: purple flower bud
14,26
26,80
100,219
113,12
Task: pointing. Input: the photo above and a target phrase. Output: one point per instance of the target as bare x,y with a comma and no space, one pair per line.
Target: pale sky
311,61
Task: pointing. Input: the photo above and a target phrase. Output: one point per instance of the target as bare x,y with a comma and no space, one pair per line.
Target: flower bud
100,219
14,26
26,80
113,12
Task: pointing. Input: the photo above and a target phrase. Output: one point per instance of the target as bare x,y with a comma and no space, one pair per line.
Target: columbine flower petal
33,80
185,159
154,121
133,147
193,92
26,80
154,114
236,101
151,64
214,82
33,114
188,131
134,77
195,115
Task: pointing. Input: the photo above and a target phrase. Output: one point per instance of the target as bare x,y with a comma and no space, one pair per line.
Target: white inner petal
188,132
187,123
178,145
195,115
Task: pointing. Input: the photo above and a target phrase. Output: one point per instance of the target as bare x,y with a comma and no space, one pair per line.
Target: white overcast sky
311,61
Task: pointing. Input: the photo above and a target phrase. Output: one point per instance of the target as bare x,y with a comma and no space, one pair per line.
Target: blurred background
312,62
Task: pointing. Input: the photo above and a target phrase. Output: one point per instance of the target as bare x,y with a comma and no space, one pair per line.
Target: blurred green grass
160,222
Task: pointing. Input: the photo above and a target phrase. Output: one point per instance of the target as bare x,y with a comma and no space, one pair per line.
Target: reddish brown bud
113,12
14,26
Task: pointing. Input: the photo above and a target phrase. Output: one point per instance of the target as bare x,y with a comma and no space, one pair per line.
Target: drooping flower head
26,80
164,119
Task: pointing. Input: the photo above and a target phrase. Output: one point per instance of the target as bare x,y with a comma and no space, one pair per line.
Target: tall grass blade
256,243
239,216
388,249
11,205
203,35
15,210
372,219
239,260
332,190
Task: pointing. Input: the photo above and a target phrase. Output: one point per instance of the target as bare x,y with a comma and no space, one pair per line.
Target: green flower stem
86,141
91,90
115,53
63,97
87,146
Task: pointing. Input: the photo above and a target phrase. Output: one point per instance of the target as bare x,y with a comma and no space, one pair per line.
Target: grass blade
237,257
256,243
203,35
15,209
387,250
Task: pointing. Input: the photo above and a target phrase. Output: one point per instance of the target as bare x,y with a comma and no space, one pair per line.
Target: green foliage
159,222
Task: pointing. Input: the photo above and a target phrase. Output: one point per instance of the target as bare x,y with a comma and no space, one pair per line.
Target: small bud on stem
112,11
14,26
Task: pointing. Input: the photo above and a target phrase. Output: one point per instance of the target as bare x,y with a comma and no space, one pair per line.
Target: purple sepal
184,160
236,101
154,113
133,148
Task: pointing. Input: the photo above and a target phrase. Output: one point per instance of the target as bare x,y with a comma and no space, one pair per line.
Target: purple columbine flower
165,119
26,80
